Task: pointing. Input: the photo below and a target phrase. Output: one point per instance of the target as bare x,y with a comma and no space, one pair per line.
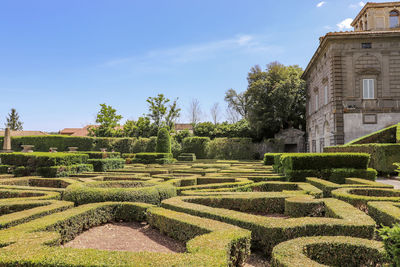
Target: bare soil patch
256,260
124,236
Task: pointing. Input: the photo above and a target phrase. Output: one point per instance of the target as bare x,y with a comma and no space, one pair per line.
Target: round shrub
163,141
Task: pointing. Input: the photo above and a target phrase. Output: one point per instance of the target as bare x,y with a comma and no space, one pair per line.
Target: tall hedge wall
230,148
382,155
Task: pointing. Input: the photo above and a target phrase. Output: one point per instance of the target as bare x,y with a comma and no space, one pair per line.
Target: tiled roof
24,133
183,126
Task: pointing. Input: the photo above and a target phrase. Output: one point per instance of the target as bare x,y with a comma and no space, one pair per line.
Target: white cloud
345,24
248,44
320,4
358,5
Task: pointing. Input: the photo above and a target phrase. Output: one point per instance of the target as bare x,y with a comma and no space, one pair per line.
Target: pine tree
13,121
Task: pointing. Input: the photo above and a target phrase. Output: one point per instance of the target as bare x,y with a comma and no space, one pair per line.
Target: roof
24,133
372,4
183,126
82,131
346,35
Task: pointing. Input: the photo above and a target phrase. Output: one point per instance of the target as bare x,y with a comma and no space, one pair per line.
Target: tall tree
157,108
275,98
13,121
237,102
108,119
161,114
215,113
194,111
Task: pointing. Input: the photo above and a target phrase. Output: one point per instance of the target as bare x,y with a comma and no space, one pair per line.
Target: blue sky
61,59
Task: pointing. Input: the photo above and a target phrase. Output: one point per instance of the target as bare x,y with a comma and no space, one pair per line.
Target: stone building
353,79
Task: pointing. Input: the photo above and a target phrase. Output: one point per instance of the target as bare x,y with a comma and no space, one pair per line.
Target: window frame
396,15
326,94
368,82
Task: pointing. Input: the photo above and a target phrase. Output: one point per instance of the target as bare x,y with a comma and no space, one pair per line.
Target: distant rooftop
24,133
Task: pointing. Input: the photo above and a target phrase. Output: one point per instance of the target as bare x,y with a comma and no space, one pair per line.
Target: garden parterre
218,208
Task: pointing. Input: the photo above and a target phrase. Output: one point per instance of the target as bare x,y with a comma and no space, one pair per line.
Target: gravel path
395,183
126,236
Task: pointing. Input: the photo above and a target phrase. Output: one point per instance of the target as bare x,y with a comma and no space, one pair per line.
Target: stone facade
353,83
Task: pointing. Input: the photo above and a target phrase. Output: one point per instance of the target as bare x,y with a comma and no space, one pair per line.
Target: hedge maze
222,210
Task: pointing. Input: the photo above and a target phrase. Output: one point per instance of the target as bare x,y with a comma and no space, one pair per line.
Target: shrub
153,158
230,148
343,219
119,191
21,171
269,158
163,141
187,157
101,155
64,171
334,175
42,159
103,165
384,212
391,239
196,145
329,251
4,169
359,197
382,155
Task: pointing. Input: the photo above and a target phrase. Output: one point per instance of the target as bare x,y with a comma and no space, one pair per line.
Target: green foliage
230,148
153,158
42,159
179,136
187,157
384,212
140,128
64,171
269,158
163,141
329,251
13,121
219,130
160,114
382,155
196,145
100,155
107,164
391,239
4,169
274,99
119,191
108,119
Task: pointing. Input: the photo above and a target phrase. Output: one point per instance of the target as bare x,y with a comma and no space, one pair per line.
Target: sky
60,59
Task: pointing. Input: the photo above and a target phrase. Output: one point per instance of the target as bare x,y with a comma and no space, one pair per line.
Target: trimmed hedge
100,155
4,169
329,251
269,158
327,187
382,155
318,161
163,141
230,149
103,165
42,159
92,192
209,243
64,171
359,197
187,157
384,213
153,158
343,219
196,145
333,175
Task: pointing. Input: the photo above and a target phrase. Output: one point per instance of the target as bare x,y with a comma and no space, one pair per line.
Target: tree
194,111
140,128
13,121
275,99
232,116
237,102
161,114
215,112
108,119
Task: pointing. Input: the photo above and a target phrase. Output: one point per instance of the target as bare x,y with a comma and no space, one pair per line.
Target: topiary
163,141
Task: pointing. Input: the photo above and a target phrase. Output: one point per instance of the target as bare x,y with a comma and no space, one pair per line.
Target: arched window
394,19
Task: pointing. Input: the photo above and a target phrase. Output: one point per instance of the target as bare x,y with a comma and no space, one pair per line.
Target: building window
394,19
368,88
316,102
326,94
366,45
